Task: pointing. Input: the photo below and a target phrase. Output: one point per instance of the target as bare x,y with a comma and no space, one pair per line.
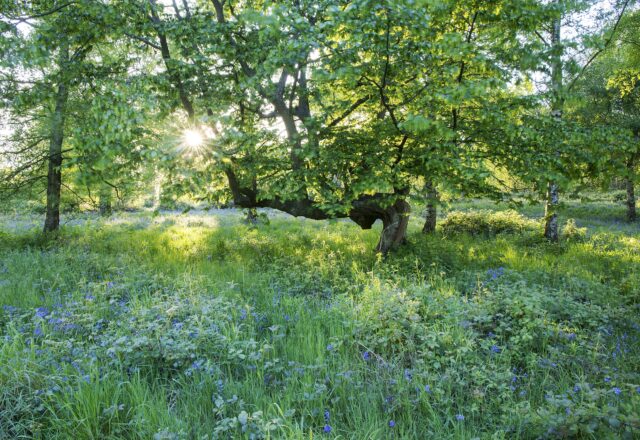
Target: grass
196,326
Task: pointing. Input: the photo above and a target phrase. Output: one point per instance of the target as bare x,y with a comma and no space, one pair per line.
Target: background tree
59,66
609,104
572,46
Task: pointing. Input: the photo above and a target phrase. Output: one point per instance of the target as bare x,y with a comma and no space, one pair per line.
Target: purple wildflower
10,309
617,391
408,375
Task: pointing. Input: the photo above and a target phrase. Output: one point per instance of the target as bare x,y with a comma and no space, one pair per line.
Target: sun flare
192,139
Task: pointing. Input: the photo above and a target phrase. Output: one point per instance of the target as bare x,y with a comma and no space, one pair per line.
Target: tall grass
188,326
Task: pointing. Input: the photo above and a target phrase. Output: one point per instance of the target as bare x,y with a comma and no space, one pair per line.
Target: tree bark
631,201
550,215
432,208
54,174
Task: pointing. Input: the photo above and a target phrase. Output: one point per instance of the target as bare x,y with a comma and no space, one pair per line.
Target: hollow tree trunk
432,208
54,174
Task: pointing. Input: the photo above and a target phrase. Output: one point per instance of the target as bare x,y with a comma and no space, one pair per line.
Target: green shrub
487,223
618,196
572,233
528,318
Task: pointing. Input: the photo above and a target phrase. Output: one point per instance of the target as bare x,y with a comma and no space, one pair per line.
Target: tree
431,217
58,64
50,54
564,65
333,109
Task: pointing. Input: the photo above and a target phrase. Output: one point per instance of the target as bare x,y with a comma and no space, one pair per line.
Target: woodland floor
198,326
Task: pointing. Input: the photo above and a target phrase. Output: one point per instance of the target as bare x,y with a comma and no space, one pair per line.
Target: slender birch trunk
54,174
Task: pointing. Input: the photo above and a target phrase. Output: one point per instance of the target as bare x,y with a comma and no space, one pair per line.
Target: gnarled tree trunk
364,211
432,208
395,221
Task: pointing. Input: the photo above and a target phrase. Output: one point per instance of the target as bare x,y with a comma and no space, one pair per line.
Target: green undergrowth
180,329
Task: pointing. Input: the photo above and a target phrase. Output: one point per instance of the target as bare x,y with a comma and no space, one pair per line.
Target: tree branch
347,112
599,51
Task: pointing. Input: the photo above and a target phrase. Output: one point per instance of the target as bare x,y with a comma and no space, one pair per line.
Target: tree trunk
557,107
631,195
631,200
395,221
104,202
54,174
432,208
551,218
